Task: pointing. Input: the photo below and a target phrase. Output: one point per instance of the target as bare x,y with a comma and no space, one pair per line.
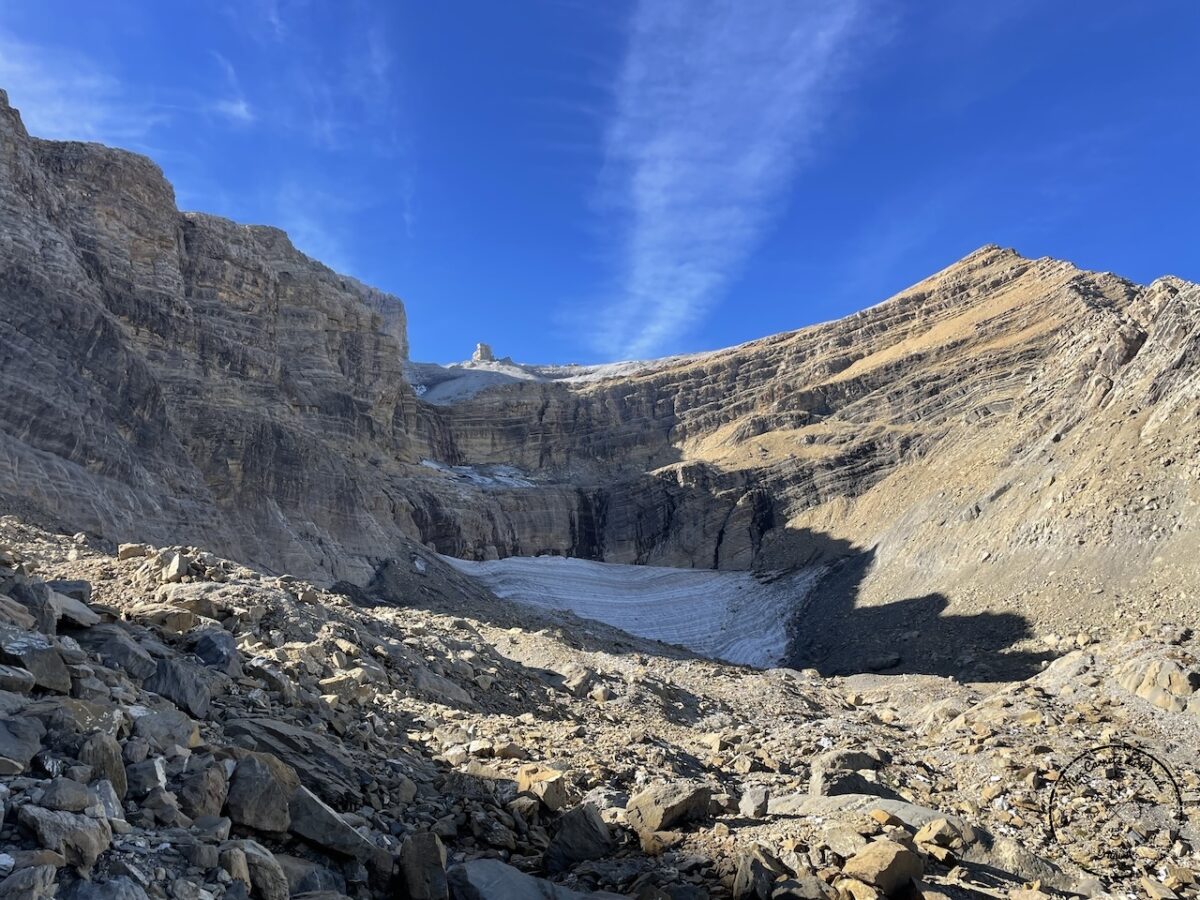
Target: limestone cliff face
1007,428
178,374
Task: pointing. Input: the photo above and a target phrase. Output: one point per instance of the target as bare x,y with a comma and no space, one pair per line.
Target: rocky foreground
173,724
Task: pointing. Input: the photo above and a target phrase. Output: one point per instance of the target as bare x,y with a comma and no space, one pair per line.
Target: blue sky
583,181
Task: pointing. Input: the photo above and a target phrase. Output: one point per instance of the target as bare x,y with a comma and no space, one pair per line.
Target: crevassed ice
724,615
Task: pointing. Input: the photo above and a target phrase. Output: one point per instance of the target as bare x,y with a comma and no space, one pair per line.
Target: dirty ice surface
482,476
733,616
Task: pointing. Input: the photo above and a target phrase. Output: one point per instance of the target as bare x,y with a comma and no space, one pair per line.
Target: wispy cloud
234,105
309,216
717,104
66,96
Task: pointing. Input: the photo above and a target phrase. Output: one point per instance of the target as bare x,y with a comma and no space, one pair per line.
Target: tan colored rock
886,865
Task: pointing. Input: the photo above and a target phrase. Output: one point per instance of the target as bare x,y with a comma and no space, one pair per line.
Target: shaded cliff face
1008,433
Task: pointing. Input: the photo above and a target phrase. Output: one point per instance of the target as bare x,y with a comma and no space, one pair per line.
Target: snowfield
724,615
445,385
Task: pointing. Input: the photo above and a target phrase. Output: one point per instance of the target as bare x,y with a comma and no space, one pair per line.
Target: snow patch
732,616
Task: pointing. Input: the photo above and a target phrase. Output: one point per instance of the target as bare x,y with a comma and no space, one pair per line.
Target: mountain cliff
1009,443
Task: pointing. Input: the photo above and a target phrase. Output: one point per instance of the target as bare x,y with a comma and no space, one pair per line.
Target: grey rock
306,876
183,684
75,588
145,776
580,834
35,597
259,792
752,880
423,867
202,856
317,822
80,839
109,801
33,883
117,650
441,689
68,796
217,649
165,728
802,887
843,772
204,793
17,680
36,654
490,879
20,739
120,888
321,764
72,611
102,752
266,875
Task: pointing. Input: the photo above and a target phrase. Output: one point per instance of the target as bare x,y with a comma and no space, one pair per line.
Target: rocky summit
900,605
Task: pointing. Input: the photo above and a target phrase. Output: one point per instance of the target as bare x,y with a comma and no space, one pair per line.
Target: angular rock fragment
80,839
661,806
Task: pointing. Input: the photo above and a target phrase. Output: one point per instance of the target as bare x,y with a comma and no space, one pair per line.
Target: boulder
66,795
886,865
661,806
80,839
441,689
117,650
752,880
102,752
143,777
259,792
548,785
306,877
72,610
75,588
34,596
32,883
802,887
19,681
120,888
847,772
166,728
490,879
183,684
266,875
580,834
217,649
320,762
20,738
204,793
317,822
423,867
37,655
754,801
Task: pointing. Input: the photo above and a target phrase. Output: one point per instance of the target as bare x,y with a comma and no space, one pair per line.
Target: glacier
739,617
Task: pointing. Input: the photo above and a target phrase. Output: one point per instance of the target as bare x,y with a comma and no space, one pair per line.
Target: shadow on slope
836,635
